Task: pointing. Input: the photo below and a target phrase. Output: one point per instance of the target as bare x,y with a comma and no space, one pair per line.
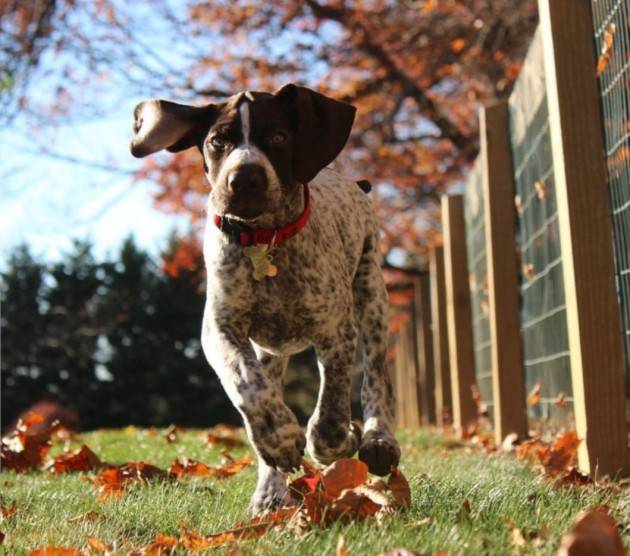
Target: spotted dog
292,256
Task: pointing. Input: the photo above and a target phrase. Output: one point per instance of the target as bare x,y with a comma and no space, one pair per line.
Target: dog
292,256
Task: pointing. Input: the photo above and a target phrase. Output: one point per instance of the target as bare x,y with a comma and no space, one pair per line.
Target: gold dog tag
261,261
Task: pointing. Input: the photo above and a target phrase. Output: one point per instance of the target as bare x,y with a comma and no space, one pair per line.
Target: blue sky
47,202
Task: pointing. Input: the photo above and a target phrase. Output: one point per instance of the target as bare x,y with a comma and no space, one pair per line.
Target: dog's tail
365,185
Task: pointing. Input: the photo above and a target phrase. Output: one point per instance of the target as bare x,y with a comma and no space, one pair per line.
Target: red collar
245,235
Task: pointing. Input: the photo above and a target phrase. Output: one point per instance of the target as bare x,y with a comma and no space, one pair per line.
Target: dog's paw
283,449
380,452
271,492
327,445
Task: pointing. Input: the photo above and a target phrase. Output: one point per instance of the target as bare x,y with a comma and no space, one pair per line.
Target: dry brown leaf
341,548
594,533
114,480
528,271
541,189
83,459
163,545
399,486
401,552
192,468
344,474
171,434
97,546
8,511
533,397
26,447
560,400
227,441
607,48
458,45
564,452
56,551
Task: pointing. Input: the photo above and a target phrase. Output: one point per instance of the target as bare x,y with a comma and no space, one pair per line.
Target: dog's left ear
161,124
322,127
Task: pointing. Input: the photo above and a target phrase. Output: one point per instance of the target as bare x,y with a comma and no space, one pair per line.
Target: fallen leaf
560,400
114,480
83,459
533,397
458,45
8,511
401,552
56,551
163,545
399,486
607,48
24,448
594,533
573,477
97,546
341,547
343,474
192,468
564,452
171,435
87,516
528,270
227,441
541,189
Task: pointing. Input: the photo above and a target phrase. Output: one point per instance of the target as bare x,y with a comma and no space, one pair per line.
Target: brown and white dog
292,256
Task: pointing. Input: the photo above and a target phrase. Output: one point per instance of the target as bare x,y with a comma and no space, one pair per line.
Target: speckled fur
328,292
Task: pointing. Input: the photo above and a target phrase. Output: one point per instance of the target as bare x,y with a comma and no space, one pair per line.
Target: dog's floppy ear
161,124
322,126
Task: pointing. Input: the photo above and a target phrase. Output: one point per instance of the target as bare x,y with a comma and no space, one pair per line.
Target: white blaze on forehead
244,111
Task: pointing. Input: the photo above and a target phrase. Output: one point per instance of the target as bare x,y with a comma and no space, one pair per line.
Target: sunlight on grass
461,500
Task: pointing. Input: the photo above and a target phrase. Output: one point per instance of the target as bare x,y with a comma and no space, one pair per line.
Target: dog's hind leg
379,448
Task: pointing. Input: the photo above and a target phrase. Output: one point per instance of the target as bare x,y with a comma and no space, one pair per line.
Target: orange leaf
97,545
458,45
82,460
8,511
344,473
193,468
56,551
399,486
533,397
528,270
560,401
595,532
161,546
607,48
113,480
564,452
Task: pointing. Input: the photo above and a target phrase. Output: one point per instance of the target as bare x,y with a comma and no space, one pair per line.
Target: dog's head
256,147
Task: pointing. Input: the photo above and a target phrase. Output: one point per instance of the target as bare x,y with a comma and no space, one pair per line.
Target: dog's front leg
271,426
330,434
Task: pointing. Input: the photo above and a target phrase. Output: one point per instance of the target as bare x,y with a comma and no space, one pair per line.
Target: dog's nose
248,177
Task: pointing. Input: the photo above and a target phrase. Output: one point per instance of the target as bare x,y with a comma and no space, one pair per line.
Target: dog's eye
278,138
219,143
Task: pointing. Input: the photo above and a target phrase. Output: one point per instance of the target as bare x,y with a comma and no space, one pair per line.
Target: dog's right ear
160,124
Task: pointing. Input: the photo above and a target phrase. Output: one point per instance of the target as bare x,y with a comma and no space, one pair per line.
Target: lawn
462,503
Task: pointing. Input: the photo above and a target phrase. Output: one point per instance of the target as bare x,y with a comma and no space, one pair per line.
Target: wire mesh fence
478,279
611,29
543,312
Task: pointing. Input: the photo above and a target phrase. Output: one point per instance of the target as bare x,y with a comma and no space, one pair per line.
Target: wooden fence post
424,348
585,225
458,312
408,414
508,385
443,400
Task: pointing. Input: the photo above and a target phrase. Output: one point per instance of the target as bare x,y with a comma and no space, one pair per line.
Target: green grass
441,476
